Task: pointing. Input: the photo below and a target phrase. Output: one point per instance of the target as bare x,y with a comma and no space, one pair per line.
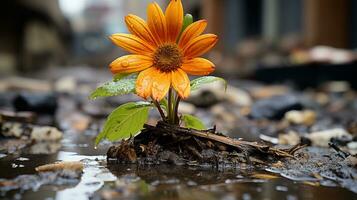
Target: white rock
232,94
238,96
306,117
186,108
322,138
37,133
291,138
267,138
66,84
352,145
45,133
220,112
12,129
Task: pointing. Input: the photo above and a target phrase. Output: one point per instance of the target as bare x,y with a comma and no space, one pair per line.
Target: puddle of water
92,178
156,182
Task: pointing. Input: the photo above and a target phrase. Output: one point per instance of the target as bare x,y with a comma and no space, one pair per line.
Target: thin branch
240,144
157,104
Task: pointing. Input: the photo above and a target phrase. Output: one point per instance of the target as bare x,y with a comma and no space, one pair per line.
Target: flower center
167,57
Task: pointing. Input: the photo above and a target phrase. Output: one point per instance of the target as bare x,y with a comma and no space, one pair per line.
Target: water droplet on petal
125,64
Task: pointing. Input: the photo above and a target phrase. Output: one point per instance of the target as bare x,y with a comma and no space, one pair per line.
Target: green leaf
117,77
187,20
125,121
193,122
197,83
119,86
164,103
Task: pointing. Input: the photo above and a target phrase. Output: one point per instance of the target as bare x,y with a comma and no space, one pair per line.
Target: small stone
322,138
203,98
305,117
236,96
269,91
220,112
14,129
45,133
78,121
186,108
291,138
275,107
21,83
322,98
330,55
66,84
42,103
28,131
60,166
267,138
214,93
352,145
28,117
337,86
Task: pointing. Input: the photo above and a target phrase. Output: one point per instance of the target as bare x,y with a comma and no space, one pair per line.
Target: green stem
169,114
177,121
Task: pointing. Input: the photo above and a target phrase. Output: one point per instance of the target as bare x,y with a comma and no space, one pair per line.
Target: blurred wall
327,22
32,34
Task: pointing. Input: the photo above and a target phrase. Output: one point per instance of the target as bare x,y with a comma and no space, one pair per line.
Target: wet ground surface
318,172
102,181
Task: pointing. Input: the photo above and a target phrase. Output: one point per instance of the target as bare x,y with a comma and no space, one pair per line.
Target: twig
340,153
240,144
160,110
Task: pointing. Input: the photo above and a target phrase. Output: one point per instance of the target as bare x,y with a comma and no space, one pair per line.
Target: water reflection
93,177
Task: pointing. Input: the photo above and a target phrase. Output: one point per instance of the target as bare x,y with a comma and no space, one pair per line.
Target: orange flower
162,58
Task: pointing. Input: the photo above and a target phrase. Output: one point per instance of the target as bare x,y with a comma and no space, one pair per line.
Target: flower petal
132,43
174,19
200,45
157,22
198,66
144,82
160,85
130,64
139,27
192,31
181,83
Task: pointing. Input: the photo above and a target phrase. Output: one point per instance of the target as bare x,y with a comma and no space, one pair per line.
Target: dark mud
319,166
170,144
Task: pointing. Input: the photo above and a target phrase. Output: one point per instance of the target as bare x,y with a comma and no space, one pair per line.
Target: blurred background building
253,33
